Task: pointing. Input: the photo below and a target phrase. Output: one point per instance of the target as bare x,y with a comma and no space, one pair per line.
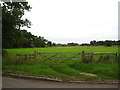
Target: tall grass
11,59
105,71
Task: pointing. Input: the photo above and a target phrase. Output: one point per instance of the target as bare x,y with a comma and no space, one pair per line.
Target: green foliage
12,21
72,44
104,43
54,44
13,36
49,43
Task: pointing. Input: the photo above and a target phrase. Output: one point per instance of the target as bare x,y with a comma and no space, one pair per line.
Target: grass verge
105,71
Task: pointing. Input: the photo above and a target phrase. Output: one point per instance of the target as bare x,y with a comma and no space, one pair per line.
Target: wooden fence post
36,54
16,57
83,57
116,56
92,57
27,57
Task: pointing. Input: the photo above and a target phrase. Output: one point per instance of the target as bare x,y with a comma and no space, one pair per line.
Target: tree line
105,43
102,43
93,43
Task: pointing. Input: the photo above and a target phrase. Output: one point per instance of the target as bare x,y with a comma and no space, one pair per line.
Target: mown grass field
65,71
65,49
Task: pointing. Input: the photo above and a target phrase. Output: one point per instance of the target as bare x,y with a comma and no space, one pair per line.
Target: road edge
58,80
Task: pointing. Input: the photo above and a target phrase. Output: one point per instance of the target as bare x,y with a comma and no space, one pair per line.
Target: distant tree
100,43
93,42
49,43
85,44
72,44
54,44
108,43
59,45
105,43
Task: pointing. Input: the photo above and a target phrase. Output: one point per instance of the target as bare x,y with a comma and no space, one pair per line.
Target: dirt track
9,82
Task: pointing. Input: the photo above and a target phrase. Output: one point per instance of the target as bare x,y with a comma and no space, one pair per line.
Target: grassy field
65,71
65,49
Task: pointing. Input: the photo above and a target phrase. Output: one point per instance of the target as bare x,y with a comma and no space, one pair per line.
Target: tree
26,39
105,43
108,43
72,44
39,41
93,42
85,44
49,43
54,44
12,13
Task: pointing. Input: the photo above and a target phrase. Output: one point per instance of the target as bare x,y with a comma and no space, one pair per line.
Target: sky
78,21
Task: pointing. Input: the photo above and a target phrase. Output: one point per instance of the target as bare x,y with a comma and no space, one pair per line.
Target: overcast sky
79,21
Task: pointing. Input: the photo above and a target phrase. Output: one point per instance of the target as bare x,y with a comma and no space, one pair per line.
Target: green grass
65,49
35,70
65,71
105,71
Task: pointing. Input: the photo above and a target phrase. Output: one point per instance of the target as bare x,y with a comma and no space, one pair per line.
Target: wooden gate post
16,57
83,57
36,54
27,57
116,56
92,57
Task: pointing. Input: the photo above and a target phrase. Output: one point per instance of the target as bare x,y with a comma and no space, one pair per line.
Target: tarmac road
8,82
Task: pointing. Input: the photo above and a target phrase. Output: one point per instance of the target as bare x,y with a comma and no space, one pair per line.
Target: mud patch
89,74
